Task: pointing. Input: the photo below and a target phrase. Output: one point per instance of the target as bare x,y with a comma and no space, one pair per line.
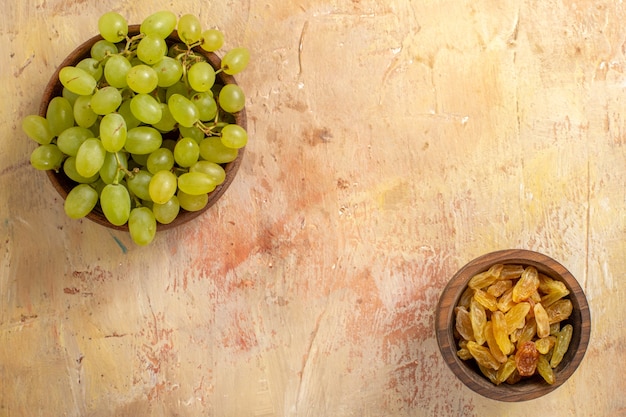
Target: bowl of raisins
513,325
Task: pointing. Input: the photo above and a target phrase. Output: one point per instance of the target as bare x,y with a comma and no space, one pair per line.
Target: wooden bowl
63,184
467,371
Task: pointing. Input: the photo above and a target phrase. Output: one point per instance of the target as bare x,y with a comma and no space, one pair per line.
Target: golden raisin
516,316
478,319
560,310
543,321
526,359
526,285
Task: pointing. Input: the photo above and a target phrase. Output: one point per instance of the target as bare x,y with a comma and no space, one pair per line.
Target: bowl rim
58,179
450,296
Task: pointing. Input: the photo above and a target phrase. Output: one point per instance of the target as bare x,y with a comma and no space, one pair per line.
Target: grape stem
120,167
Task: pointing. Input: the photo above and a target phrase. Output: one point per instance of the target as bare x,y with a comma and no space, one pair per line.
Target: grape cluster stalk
142,127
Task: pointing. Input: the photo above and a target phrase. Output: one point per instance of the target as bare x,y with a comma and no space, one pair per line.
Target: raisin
559,311
466,297
505,302
494,348
500,333
463,324
486,300
545,370
506,370
499,287
543,321
563,340
483,356
516,316
551,289
555,328
482,280
478,319
528,332
491,374
464,354
544,344
526,359
511,271
526,285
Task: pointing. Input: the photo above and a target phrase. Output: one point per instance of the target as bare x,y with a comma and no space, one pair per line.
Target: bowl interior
467,371
63,184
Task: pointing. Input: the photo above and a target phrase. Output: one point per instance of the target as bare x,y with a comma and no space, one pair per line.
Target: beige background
391,143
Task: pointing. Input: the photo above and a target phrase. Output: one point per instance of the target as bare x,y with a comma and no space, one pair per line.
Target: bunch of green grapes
142,127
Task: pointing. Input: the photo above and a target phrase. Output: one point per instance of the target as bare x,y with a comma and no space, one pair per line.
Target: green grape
113,27
140,160
206,105
167,212
143,140
113,132
234,136
167,122
161,24
37,128
160,160
146,109
95,128
105,100
83,115
192,202
80,201
193,132
162,186
138,184
195,183
60,115
115,203
142,79
102,50
69,168
112,170
232,98
169,144
116,71
235,60
71,97
142,225
127,114
201,76
176,49
92,67
77,80
212,149
189,29
213,170
183,110
46,157
151,49
169,71
90,157
177,88
186,152
70,139
212,40
98,185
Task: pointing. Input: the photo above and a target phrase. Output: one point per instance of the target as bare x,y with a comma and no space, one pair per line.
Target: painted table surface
391,143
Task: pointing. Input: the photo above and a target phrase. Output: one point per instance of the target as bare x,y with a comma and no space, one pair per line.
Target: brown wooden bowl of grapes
513,325
143,127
